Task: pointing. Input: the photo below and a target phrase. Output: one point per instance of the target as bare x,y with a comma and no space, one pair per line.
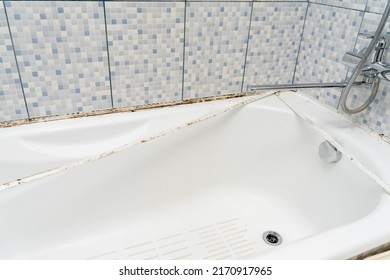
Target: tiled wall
59,57
331,28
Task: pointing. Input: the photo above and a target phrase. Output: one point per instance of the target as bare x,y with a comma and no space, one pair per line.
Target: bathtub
205,191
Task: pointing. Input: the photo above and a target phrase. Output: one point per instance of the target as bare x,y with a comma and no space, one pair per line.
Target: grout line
354,47
356,40
247,47
184,50
108,53
300,44
334,6
16,60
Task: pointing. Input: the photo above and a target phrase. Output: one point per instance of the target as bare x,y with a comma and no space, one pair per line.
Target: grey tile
12,106
62,57
146,51
215,47
329,33
274,40
376,6
350,4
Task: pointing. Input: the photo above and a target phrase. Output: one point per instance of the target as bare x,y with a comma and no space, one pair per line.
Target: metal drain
272,238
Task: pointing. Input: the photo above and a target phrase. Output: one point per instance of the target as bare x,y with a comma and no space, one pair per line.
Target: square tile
376,6
349,4
329,33
377,116
62,55
274,40
215,47
146,51
12,106
369,25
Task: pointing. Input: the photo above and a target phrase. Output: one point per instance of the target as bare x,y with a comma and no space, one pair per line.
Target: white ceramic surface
208,191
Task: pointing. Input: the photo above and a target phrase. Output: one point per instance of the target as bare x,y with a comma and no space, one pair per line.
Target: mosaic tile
350,4
376,6
215,48
12,106
377,115
62,56
274,39
329,33
369,25
146,51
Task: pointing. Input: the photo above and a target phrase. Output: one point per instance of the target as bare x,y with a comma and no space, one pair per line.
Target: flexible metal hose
359,67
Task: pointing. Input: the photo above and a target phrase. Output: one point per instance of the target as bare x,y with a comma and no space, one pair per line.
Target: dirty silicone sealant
251,98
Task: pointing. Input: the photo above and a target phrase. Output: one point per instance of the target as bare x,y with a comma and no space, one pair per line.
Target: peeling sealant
385,185
41,175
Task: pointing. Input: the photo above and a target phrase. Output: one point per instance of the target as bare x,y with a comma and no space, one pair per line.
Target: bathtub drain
272,238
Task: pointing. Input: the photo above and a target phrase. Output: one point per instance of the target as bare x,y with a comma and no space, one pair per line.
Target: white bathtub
208,191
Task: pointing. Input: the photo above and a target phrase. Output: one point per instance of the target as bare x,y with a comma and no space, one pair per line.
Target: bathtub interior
206,192
30,149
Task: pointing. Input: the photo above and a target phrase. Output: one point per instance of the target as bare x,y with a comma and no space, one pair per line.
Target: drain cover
272,238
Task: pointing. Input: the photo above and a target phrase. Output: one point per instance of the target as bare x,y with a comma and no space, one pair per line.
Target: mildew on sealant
382,136
120,110
339,146
256,97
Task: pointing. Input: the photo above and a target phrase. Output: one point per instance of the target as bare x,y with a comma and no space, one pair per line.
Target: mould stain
122,110
338,145
255,97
